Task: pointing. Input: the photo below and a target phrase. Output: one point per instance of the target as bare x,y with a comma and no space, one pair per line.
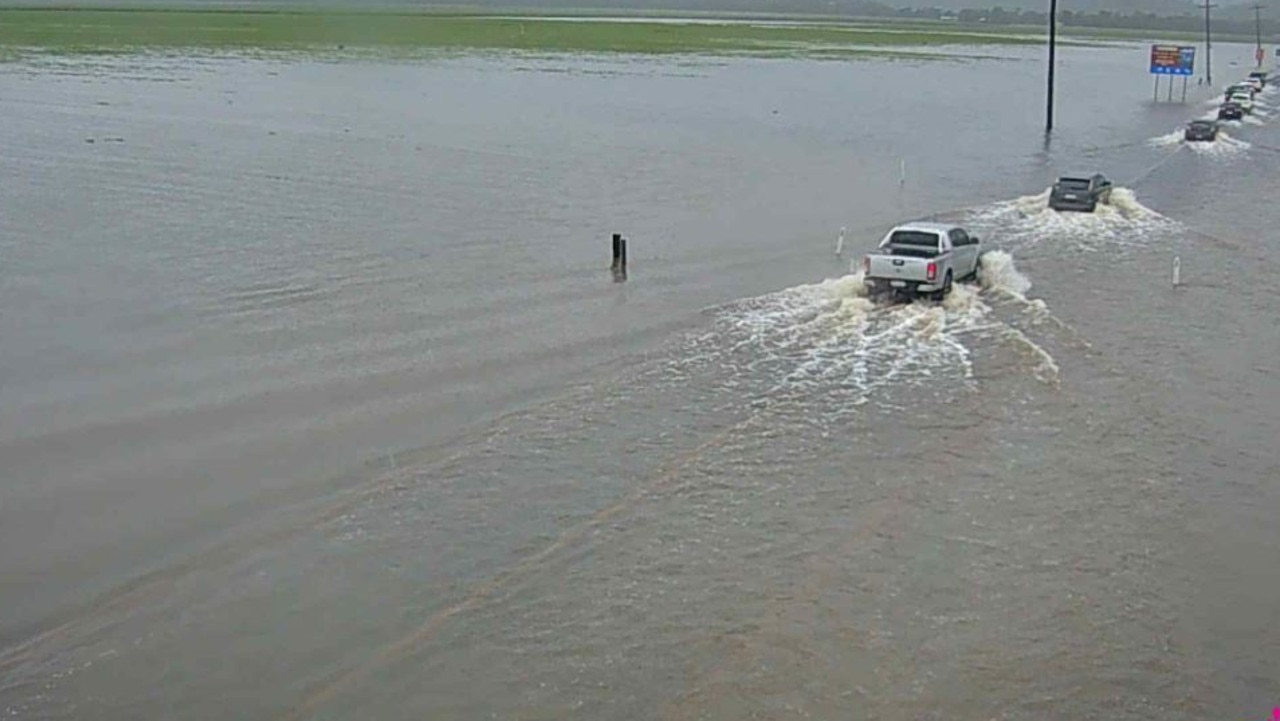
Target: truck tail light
866,264
932,271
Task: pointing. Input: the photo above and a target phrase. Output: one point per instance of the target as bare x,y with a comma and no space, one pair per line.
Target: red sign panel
1164,56
1172,59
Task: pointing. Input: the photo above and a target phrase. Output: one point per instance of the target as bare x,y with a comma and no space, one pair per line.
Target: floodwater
318,399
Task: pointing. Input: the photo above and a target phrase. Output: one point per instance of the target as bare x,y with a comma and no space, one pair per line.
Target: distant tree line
1188,22
1100,19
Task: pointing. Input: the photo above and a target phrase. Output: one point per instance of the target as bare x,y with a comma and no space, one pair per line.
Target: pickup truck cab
920,259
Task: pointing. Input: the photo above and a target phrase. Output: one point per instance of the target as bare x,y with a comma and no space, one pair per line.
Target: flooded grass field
318,399
115,30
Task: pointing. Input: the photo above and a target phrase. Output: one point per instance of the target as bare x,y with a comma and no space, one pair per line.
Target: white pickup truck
921,258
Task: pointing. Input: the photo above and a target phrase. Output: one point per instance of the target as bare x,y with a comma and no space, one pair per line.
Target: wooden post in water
619,258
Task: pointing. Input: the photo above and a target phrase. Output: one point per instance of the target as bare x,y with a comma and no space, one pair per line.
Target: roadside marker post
619,266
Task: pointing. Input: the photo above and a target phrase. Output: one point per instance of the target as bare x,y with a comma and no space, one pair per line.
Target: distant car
1230,111
1246,88
1080,192
1201,131
1244,100
1260,76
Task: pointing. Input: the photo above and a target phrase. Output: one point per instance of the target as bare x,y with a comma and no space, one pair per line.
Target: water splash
1167,140
1224,147
1028,222
1255,120
998,274
826,347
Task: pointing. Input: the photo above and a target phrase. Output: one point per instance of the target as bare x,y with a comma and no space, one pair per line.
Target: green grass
75,30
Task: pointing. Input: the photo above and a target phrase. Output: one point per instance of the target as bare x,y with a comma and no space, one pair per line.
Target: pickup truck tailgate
899,267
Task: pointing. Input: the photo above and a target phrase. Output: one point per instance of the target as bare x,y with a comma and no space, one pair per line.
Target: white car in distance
1244,100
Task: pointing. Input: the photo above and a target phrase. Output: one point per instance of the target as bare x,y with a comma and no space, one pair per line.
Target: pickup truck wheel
942,292
977,268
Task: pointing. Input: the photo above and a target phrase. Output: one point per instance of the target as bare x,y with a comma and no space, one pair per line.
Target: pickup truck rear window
915,238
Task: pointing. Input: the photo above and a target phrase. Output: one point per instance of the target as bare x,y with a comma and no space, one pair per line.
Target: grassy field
113,30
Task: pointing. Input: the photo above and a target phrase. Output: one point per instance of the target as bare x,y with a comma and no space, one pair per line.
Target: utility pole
1257,24
1208,44
1053,46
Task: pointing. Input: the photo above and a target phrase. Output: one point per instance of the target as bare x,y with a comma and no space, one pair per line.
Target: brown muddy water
318,401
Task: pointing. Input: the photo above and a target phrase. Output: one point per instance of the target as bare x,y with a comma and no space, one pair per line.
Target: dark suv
1201,131
1080,192
1230,111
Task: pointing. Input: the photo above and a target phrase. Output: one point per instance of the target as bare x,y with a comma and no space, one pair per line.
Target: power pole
1257,24
1208,44
1053,46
